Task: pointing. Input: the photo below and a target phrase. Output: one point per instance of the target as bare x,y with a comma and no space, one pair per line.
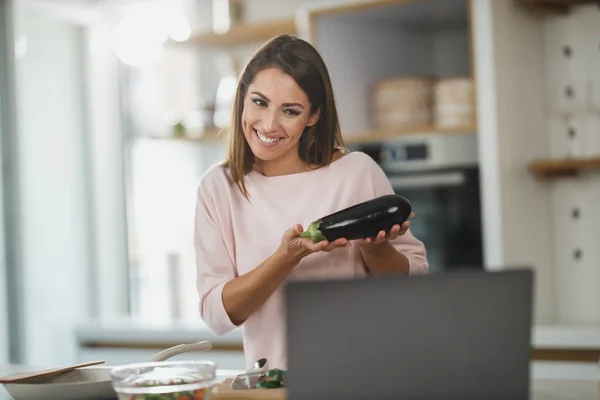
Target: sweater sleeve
407,244
214,265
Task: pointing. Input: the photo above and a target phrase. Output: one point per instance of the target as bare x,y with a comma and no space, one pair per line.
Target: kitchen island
541,389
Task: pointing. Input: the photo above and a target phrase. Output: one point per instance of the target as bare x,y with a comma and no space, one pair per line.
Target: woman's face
276,111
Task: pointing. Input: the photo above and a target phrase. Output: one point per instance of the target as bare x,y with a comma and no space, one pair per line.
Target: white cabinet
572,124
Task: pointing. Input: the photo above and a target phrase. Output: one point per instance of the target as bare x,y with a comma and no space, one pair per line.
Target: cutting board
223,391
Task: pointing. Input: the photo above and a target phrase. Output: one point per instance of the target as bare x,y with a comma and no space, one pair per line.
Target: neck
282,166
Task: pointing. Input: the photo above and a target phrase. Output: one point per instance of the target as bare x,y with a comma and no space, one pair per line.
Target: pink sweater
233,236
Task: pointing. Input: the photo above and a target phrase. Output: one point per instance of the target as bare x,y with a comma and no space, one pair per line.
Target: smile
265,139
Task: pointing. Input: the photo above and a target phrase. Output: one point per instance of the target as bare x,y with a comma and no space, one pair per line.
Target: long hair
300,60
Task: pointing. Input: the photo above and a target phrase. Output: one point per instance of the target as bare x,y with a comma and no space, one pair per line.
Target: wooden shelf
377,136
562,167
244,34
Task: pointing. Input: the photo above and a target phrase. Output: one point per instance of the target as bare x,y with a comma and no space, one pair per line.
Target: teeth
264,138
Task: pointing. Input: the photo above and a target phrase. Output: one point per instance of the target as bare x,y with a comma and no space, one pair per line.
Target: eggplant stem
313,232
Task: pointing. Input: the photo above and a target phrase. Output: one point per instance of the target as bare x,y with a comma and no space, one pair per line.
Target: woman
285,168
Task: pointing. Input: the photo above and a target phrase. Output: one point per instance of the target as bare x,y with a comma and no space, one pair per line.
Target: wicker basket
403,103
454,103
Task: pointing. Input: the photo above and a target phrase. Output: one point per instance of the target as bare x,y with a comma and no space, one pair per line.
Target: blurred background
485,113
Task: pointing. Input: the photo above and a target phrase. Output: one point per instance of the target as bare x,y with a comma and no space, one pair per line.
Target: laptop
457,335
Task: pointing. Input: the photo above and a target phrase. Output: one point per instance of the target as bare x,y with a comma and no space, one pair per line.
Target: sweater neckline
299,175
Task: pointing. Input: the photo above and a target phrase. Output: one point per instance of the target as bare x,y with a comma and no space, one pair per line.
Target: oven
439,175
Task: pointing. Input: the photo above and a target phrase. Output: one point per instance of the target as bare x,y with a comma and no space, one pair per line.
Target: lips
267,139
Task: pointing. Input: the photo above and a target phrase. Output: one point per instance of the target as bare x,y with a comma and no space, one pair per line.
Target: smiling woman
286,167
285,110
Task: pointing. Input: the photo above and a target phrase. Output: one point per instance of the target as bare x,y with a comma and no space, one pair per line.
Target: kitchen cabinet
364,44
571,125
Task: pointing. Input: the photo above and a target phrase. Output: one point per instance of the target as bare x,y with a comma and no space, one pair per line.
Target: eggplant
361,220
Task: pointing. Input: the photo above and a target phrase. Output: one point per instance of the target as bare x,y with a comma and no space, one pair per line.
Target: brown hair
300,60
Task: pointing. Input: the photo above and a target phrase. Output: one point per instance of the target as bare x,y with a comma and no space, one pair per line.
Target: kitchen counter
560,352
127,341
132,331
542,389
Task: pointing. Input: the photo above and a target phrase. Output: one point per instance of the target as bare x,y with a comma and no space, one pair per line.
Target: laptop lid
460,335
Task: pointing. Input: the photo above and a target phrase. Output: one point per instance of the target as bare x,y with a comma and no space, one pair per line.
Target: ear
314,118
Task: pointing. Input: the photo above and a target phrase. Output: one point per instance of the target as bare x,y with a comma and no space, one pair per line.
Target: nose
271,121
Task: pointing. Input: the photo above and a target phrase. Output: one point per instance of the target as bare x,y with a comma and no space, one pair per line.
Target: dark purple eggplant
362,220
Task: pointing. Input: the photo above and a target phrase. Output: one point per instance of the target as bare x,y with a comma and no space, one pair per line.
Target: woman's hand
296,248
243,295
396,231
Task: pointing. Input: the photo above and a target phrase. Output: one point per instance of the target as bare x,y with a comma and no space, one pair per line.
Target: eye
259,102
292,112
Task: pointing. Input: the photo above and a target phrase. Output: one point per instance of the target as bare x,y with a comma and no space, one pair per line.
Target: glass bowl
168,380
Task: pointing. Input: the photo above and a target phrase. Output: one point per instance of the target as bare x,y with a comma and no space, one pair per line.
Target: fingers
381,236
314,247
394,232
324,245
405,227
291,233
336,244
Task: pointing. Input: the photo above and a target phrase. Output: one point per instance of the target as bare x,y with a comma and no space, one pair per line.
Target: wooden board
223,391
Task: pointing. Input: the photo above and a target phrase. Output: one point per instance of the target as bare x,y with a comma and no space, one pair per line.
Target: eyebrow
265,98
